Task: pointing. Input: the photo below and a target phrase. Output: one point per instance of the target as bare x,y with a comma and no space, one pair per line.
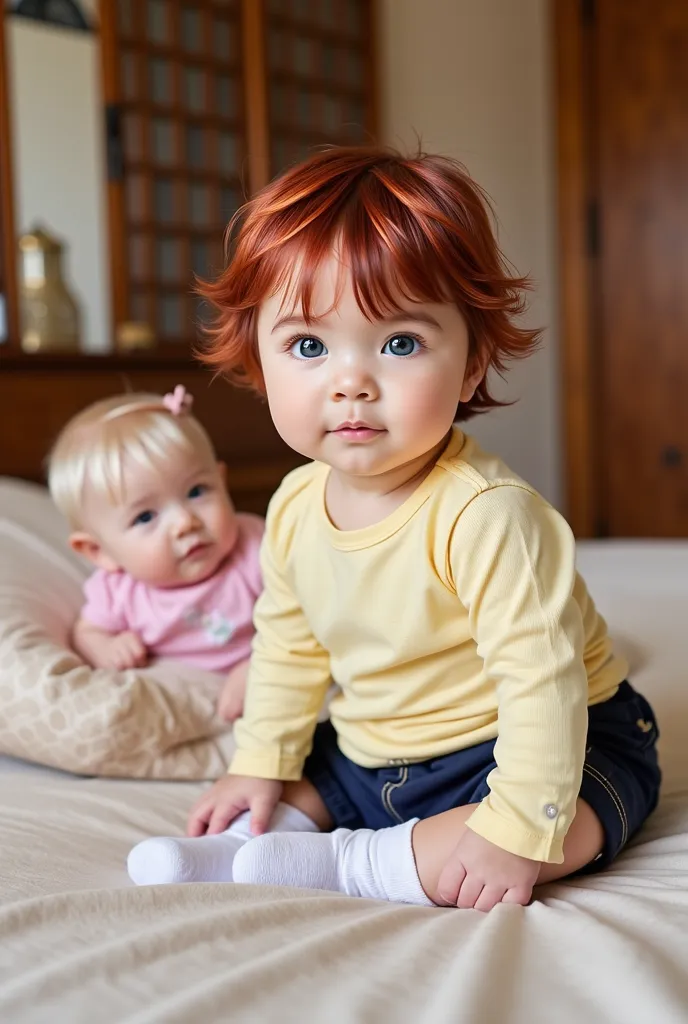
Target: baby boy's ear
475,371
88,547
222,470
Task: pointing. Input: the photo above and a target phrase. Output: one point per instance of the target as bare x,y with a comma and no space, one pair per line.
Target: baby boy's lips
350,425
357,432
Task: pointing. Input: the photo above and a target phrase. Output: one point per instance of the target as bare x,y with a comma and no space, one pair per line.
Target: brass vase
49,313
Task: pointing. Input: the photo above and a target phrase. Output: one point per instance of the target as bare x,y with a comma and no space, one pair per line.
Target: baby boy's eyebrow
398,316
417,316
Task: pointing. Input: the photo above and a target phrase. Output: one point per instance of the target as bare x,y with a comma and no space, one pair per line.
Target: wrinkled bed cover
78,943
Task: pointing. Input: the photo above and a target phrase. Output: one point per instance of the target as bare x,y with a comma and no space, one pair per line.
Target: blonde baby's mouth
196,550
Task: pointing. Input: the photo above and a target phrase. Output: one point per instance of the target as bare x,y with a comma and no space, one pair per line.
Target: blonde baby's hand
479,874
124,650
228,798
230,705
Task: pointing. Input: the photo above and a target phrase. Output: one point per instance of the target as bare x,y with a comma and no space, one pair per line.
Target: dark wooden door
639,119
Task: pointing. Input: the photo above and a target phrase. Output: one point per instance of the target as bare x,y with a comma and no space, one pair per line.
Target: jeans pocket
625,719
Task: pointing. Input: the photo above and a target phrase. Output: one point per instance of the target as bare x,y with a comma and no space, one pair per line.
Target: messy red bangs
417,228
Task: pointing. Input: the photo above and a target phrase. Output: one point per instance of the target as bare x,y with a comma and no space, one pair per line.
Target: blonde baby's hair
91,448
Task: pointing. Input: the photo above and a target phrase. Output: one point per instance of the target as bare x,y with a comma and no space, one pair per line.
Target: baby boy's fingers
450,882
471,888
518,894
489,897
222,817
262,809
199,817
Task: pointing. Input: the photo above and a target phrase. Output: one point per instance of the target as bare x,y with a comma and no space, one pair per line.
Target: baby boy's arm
513,561
288,679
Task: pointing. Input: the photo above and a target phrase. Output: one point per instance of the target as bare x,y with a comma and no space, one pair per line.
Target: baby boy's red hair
415,227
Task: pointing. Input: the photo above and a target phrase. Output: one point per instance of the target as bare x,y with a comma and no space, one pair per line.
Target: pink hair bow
178,401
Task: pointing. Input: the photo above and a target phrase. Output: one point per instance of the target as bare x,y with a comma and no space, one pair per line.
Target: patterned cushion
158,722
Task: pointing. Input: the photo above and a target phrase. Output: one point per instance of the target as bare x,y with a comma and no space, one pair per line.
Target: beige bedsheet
79,944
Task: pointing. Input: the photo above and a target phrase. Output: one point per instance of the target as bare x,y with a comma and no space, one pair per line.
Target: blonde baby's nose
185,521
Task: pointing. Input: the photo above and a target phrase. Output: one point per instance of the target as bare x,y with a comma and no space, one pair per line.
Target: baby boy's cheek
426,408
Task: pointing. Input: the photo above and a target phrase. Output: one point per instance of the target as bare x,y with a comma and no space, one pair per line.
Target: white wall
58,145
472,79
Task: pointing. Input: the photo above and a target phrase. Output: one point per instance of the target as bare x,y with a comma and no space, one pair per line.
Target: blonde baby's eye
147,516
198,490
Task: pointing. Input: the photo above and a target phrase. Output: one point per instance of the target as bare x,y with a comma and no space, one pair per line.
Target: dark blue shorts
621,776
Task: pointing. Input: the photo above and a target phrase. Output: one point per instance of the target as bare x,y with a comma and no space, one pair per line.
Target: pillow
158,722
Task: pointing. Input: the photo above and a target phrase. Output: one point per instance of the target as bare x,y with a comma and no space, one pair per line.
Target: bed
79,943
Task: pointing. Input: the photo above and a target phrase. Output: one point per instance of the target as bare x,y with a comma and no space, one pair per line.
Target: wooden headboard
39,394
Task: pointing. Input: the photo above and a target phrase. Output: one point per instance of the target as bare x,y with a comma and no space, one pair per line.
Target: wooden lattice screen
319,69
206,99
177,145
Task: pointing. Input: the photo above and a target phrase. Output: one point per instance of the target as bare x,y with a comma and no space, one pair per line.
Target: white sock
161,861
377,864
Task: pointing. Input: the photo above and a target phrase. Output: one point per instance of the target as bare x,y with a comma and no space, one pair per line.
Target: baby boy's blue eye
144,517
401,345
197,490
308,348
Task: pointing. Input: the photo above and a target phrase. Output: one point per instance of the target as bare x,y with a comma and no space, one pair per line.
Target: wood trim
374,56
170,357
576,297
115,189
8,236
255,94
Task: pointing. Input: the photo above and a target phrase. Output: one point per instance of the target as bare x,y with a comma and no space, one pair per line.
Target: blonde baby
176,567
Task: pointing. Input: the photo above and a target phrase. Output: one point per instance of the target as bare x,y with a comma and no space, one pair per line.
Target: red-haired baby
482,739
177,569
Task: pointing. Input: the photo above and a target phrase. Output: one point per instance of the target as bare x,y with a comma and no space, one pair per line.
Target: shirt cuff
269,765
546,846
91,617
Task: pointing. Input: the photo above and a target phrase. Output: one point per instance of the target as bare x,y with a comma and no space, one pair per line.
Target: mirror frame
255,90
8,234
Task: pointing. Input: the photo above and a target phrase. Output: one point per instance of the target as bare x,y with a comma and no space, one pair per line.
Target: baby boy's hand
231,795
479,874
124,650
230,705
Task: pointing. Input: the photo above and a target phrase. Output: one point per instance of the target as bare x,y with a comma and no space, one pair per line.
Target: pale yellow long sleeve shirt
458,618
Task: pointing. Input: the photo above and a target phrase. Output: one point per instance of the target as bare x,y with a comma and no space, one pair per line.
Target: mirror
58,142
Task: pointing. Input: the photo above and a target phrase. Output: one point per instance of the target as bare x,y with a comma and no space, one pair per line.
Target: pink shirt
207,624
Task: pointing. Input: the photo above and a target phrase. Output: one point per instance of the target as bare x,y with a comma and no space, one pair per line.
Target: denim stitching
387,790
597,775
